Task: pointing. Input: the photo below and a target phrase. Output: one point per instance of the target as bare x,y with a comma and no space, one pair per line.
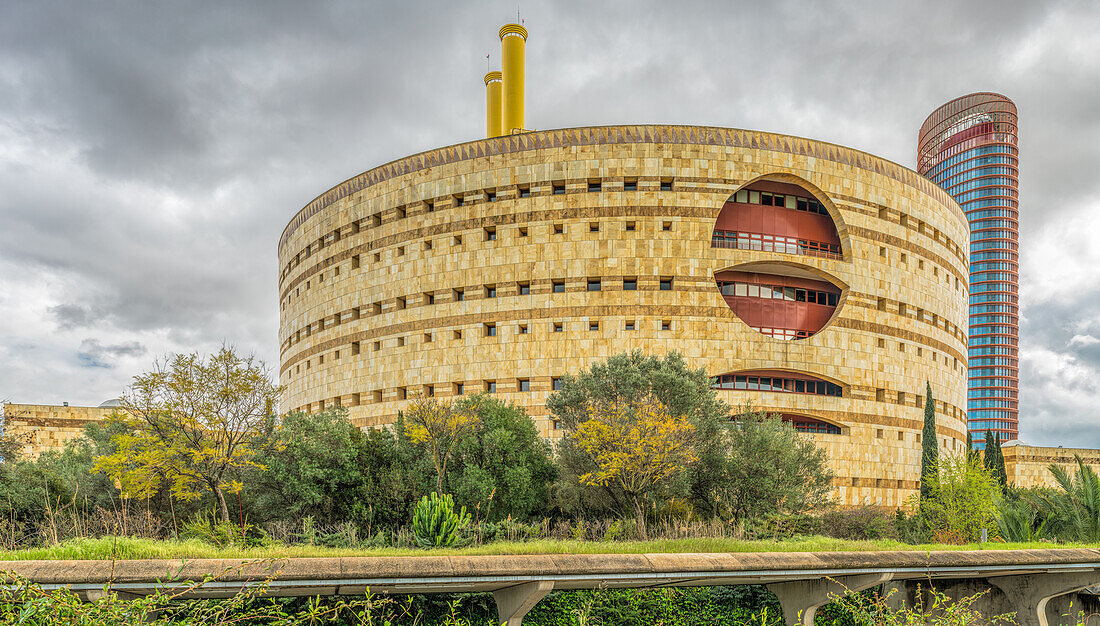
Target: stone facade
1029,466
43,427
466,268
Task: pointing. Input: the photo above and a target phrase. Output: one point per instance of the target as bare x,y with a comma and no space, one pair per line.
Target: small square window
427,337
490,291
556,384
593,325
377,219
559,229
400,304
630,325
429,298
354,348
427,245
522,231
593,227
376,308
490,330
377,257
881,251
459,295
630,284
490,234
666,324
558,189
401,213
558,327
401,251
400,341
522,329
594,284
456,334
459,388
377,346
630,185
355,262
630,226
666,185
490,196
458,240
666,226
666,284
524,384
491,386
429,391
377,395
524,289
525,192
429,207
458,201
559,286
594,186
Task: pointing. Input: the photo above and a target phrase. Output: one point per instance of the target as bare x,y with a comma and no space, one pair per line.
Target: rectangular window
377,346
491,386
630,325
429,206
558,189
666,284
558,327
525,192
630,185
490,234
459,295
427,337
400,341
490,196
593,227
666,226
594,284
666,325
458,240
457,334
459,388
354,348
458,201
524,289
559,229
490,291
593,325
523,329
630,284
427,245
743,196
592,187
524,384
490,330
400,304
666,185
401,251
630,226
559,286
522,231
355,262
556,384
429,298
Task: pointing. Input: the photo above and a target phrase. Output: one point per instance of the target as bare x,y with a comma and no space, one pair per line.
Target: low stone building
42,427
1029,466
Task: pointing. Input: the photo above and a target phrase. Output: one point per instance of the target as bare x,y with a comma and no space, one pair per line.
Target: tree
192,423
771,469
322,465
1075,510
970,443
961,501
503,468
636,446
930,451
628,377
441,426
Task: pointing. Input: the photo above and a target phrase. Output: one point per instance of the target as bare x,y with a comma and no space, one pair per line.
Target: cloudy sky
152,152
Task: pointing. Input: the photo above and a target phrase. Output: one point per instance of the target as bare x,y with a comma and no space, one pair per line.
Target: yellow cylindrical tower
513,42
493,103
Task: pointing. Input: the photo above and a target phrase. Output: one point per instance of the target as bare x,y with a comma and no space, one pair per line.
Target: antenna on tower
486,62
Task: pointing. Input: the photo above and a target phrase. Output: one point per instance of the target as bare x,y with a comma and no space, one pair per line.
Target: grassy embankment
127,548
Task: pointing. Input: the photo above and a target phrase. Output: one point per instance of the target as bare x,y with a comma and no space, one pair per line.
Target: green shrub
435,523
205,527
859,523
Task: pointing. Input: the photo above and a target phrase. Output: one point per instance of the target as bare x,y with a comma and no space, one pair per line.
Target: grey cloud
92,353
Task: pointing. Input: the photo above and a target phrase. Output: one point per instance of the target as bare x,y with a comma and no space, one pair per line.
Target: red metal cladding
764,307
968,146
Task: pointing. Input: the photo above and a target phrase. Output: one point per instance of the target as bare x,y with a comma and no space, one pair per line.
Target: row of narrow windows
776,292
922,315
779,384
743,195
774,243
489,291
458,200
488,234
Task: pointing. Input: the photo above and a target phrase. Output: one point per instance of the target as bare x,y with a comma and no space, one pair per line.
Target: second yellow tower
513,42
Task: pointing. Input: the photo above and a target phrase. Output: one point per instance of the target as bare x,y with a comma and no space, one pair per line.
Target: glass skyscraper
968,148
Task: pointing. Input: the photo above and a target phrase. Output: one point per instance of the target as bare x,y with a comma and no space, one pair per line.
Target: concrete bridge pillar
800,599
514,602
1030,593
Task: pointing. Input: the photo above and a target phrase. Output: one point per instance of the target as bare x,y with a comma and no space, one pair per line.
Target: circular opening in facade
777,217
779,300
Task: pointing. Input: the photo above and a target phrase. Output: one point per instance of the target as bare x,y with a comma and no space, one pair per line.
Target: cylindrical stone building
812,280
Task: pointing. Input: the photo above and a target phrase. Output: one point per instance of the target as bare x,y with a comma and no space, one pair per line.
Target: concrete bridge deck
801,580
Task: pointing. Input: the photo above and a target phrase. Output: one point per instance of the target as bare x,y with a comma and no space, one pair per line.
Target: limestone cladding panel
388,323
1029,466
44,427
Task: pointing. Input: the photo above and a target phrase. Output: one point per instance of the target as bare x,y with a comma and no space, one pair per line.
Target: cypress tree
969,446
989,457
999,470
930,451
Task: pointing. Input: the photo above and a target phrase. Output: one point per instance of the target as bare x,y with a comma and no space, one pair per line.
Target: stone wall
1028,466
42,427
384,283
